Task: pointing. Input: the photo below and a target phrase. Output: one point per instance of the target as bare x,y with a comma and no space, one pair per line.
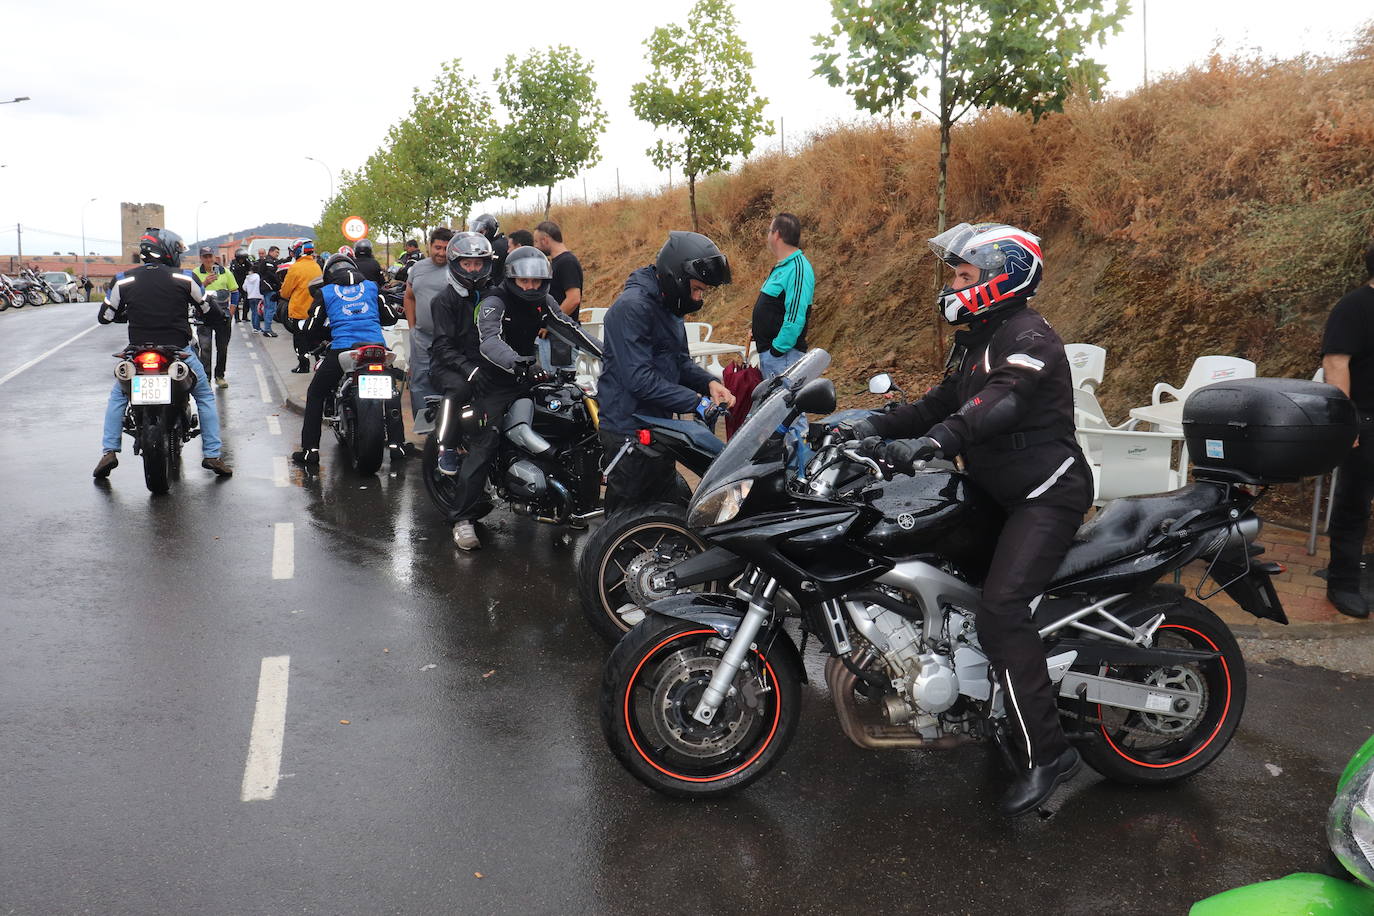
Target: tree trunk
941,206
692,196
548,202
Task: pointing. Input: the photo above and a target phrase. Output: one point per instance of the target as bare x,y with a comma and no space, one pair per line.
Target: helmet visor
713,271
528,264
954,247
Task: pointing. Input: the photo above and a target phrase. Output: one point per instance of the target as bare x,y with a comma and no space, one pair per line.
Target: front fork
760,590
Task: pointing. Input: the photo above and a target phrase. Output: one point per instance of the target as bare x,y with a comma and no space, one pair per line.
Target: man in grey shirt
426,279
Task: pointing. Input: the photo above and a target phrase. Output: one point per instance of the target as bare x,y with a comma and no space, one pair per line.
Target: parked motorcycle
703,697
31,291
10,297
367,396
159,417
45,289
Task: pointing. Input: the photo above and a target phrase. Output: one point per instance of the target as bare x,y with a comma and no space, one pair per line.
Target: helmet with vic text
1009,265
528,263
161,246
467,247
685,257
302,247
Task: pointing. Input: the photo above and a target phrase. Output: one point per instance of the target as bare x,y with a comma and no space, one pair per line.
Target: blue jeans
420,385
205,401
770,366
269,309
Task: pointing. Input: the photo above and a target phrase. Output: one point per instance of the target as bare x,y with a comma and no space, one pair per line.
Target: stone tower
133,219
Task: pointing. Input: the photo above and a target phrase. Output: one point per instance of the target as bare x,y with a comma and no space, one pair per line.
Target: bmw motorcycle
703,697
159,418
368,394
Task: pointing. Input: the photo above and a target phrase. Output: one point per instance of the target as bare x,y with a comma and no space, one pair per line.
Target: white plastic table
1166,417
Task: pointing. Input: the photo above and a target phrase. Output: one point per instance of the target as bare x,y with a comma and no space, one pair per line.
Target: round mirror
880,383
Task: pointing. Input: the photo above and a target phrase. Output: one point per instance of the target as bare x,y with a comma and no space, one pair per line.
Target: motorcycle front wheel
620,560
1155,748
57,296
650,687
34,298
367,436
157,455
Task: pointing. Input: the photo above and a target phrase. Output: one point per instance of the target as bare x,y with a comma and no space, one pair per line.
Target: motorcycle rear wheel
620,558
442,489
157,456
34,298
1155,749
367,436
650,687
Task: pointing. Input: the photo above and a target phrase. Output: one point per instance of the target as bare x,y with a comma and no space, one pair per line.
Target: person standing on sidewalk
426,279
783,308
1348,363
214,338
295,290
241,267
252,295
266,268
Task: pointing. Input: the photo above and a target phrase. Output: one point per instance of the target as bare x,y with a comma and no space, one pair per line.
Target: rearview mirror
880,383
816,396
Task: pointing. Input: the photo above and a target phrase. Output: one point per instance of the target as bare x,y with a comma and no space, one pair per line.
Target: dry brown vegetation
1219,210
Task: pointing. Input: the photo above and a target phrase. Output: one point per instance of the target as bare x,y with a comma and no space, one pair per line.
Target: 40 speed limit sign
354,228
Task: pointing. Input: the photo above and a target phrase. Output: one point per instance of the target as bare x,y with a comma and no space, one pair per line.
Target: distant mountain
276,230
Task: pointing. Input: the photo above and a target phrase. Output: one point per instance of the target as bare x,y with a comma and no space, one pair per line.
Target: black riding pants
1028,552
471,502
215,338
452,423
323,384
1350,509
636,478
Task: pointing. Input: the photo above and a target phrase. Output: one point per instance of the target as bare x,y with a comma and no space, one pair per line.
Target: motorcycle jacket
154,299
370,268
266,268
1006,405
646,367
240,268
455,356
507,328
348,315
295,286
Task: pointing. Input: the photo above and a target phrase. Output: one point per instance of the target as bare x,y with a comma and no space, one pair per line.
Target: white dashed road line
284,551
274,426
263,390
42,356
262,772
280,477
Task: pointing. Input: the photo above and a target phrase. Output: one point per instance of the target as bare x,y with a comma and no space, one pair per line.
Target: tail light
150,361
375,367
646,437
371,354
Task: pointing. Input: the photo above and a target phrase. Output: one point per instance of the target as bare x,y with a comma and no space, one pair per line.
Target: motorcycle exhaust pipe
179,371
841,682
125,370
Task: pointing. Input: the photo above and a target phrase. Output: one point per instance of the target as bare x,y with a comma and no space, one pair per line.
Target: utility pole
782,133
617,184
19,230
1145,39
584,190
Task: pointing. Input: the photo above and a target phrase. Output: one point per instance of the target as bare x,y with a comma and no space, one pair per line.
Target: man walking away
1348,362
368,266
426,279
566,288
783,308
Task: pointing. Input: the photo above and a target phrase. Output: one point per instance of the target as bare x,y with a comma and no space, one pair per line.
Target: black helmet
161,246
241,254
363,249
342,270
684,257
485,224
527,263
468,245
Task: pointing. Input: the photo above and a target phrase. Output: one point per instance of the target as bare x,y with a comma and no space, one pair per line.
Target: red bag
740,379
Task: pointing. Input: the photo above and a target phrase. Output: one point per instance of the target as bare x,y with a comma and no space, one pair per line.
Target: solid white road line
262,772
42,356
263,390
274,426
284,551
279,472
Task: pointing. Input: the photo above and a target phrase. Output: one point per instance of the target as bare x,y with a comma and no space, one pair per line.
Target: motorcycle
632,548
10,297
45,289
31,292
159,417
703,697
368,395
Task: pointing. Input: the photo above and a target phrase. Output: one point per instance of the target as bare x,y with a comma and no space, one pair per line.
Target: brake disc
682,678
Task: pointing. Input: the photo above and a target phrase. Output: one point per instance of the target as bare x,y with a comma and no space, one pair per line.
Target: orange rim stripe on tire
629,727
1226,672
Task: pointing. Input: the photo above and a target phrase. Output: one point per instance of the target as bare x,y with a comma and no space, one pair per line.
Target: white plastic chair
699,331
1088,416
1130,462
1205,371
592,316
1087,364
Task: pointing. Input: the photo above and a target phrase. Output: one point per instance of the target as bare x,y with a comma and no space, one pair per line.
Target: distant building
133,220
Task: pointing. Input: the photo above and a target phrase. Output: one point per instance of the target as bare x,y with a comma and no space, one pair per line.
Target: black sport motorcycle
703,697
368,394
159,417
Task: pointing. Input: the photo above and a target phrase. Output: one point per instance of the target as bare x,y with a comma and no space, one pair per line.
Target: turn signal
646,437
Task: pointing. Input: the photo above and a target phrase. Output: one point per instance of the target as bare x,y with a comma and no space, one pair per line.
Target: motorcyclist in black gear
487,225
241,266
495,354
368,265
455,357
1006,406
647,368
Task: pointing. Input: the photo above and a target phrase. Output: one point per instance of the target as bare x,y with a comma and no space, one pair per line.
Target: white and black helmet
161,246
528,263
466,245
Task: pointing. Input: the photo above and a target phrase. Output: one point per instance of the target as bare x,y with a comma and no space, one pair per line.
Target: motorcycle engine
525,480
926,680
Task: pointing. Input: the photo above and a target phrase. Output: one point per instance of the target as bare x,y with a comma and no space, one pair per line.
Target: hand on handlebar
528,372
900,455
849,432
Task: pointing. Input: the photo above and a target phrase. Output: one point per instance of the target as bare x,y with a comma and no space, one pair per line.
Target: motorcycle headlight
720,505
1350,823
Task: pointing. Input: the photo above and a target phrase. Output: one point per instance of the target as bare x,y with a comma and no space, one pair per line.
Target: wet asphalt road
133,633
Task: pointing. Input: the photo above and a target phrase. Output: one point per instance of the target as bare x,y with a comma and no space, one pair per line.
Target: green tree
1026,55
700,89
556,119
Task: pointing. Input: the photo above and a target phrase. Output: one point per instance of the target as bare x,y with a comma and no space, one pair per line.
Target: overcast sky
127,106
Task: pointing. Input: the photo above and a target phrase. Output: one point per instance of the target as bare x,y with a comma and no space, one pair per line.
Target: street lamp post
198,206
83,234
328,171
17,98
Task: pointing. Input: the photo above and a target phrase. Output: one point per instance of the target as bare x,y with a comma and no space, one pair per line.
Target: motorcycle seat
1124,526
696,433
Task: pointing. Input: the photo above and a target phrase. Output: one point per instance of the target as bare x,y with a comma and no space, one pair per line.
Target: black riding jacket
371,269
155,300
1006,405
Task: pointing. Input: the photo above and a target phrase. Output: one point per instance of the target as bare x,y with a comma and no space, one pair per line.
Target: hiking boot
108,462
465,536
449,461
306,457
220,382
302,365
217,465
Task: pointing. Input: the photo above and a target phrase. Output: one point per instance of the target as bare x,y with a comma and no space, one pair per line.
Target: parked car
64,283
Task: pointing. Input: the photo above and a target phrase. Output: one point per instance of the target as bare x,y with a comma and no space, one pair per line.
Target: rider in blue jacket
346,309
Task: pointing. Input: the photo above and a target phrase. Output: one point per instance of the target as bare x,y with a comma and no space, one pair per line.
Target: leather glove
900,454
847,432
529,372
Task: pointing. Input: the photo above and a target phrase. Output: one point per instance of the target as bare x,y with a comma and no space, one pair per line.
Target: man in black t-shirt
1348,362
566,287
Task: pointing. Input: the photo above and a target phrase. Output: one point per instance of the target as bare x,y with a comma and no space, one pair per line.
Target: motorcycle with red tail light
368,396
159,417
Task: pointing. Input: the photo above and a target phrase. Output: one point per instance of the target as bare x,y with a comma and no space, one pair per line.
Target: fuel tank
937,512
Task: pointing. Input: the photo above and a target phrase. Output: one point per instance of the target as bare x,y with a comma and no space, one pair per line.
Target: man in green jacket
213,277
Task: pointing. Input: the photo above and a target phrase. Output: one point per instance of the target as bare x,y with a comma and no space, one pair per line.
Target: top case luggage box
1277,429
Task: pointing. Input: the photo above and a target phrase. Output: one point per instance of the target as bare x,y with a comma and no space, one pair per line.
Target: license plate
151,389
374,387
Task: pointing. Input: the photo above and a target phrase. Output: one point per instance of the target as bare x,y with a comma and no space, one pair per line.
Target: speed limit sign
354,228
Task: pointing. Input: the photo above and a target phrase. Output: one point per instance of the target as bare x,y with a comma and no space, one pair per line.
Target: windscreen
763,422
